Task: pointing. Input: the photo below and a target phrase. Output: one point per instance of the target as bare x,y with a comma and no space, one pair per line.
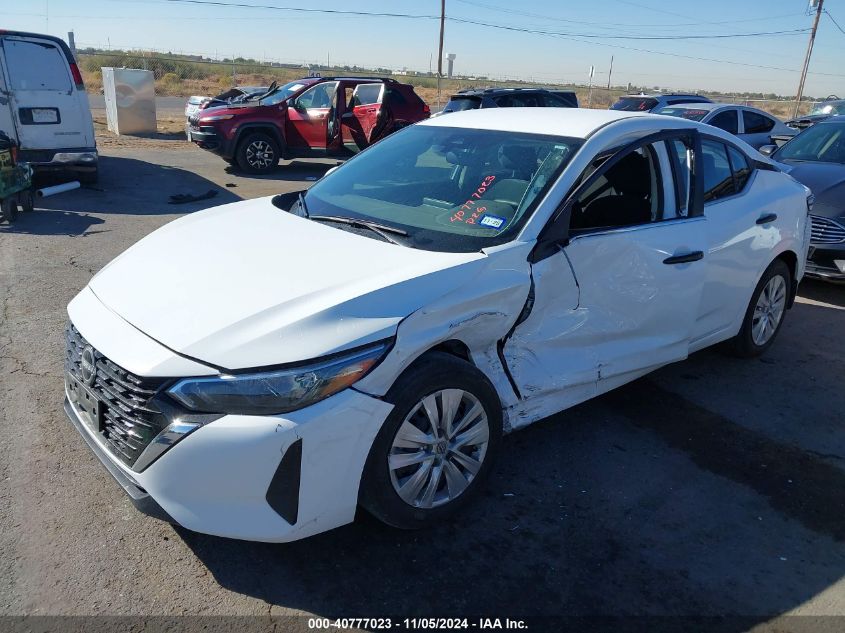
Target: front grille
131,419
826,231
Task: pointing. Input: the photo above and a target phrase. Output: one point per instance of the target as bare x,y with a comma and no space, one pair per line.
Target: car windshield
283,92
451,189
634,104
829,108
457,104
824,142
685,113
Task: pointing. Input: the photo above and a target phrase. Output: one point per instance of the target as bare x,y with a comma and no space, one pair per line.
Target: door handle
768,217
684,259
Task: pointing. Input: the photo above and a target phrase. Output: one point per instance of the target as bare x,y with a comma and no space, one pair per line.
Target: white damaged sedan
260,369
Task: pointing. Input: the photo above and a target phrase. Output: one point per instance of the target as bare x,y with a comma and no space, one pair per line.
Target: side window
626,194
756,123
726,120
320,96
36,66
740,166
553,101
679,154
366,94
718,179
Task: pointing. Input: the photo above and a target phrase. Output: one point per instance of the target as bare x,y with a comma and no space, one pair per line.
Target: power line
834,21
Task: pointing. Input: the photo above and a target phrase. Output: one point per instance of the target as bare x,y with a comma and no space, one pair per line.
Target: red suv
313,117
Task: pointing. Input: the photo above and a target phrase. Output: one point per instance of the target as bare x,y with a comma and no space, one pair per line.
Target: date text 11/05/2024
413,624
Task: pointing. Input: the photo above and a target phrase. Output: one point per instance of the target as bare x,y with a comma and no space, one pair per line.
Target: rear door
360,120
757,128
7,123
47,107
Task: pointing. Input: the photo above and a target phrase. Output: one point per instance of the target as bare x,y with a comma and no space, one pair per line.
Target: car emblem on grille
87,365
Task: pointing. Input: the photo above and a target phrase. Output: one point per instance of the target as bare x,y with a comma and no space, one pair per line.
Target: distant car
753,126
311,117
238,94
816,158
651,102
821,111
510,98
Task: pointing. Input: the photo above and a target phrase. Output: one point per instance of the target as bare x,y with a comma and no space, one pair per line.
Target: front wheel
437,445
258,153
764,316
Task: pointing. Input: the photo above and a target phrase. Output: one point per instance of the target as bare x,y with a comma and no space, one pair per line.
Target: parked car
816,158
473,99
43,105
310,117
651,102
832,106
238,94
753,126
475,273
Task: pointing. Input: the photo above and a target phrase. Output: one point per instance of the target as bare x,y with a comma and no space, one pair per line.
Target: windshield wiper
302,204
382,229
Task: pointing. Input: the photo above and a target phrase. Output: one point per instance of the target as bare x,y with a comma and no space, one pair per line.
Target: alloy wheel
439,448
260,154
769,310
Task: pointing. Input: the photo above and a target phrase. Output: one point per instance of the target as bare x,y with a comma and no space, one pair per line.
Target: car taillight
77,76
14,152
426,109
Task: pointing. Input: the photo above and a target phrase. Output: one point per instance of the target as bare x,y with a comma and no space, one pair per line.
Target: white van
43,104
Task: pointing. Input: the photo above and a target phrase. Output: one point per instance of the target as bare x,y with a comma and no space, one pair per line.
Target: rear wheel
258,153
9,209
765,313
26,199
437,445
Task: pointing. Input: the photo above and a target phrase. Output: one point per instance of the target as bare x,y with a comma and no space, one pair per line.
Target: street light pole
807,58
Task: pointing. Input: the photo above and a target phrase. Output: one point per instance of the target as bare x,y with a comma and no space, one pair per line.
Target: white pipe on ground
52,191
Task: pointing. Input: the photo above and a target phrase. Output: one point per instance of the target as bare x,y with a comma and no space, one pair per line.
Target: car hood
248,285
825,180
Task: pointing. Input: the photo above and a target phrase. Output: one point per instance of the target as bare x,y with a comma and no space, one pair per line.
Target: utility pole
610,72
807,58
440,49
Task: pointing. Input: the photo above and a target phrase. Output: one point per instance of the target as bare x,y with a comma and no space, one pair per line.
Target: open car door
363,121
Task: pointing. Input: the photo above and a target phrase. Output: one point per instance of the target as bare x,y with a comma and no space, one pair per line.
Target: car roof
475,92
703,106
658,95
572,122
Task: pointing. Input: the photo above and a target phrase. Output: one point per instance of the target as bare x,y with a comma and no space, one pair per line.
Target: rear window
36,66
634,104
458,104
366,94
684,113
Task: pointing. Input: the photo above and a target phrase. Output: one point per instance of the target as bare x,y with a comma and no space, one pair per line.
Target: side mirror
330,170
768,150
554,235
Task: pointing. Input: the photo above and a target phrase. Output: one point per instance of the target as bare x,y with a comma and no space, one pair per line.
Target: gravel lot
713,487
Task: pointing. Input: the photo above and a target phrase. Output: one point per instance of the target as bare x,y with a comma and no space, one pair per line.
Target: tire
258,153
9,209
26,199
435,379
765,314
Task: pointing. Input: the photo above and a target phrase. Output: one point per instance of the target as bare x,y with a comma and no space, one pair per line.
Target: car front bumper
265,478
826,261
273,479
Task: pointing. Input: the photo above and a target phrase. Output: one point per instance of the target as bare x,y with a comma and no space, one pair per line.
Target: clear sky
584,33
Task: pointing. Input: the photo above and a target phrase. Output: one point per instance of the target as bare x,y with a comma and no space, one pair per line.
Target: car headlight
280,390
216,117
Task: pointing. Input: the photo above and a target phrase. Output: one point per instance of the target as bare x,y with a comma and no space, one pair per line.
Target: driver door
309,116
617,293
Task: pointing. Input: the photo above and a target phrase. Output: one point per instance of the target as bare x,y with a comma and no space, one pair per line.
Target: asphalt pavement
714,487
